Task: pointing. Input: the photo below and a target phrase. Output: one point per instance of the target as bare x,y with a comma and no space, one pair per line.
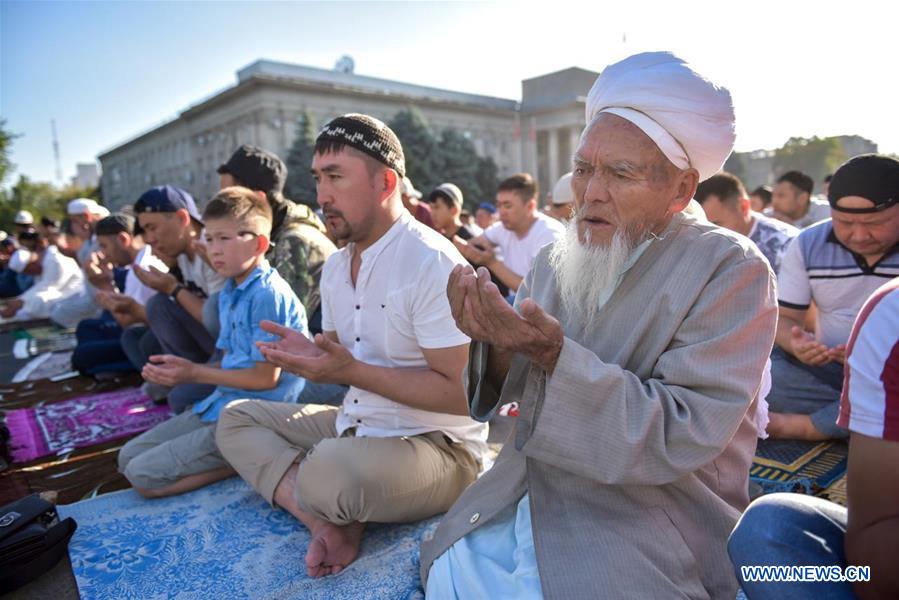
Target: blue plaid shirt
264,295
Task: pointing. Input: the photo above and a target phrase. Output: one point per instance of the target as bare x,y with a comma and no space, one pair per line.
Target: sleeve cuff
483,399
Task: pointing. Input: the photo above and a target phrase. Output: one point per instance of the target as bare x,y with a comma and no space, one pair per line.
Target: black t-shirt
465,233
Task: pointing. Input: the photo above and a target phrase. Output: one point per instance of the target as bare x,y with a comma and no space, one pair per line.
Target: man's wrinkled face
621,182
871,234
347,193
166,233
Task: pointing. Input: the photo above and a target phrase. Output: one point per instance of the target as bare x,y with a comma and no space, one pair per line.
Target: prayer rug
60,427
7,325
26,347
56,389
225,541
45,366
798,466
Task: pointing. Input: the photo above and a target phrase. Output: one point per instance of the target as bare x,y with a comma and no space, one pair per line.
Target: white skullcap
689,118
19,260
81,206
23,217
562,193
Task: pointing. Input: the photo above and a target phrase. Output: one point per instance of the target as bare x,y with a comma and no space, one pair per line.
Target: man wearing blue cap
171,225
485,215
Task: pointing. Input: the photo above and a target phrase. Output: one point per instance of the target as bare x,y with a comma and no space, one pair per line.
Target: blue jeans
790,530
99,349
801,389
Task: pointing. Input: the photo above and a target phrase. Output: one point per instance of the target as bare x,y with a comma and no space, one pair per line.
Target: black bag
32,540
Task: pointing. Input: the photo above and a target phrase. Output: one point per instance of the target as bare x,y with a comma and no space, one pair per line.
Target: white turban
689,118
82,206
562,193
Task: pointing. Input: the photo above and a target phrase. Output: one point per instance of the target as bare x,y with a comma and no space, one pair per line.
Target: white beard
585,272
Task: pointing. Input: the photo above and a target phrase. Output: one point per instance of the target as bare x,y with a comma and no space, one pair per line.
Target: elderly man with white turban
635,350
84,214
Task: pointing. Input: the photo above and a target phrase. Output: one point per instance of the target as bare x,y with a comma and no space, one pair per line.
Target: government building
537,134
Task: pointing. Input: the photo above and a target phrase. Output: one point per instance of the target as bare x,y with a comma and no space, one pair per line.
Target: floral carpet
225,541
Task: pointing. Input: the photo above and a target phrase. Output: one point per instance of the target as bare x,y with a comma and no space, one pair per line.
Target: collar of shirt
370,255
262,269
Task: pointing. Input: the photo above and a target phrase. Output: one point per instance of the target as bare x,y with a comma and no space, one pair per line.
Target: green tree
461,164
735,165
6,138
41,199
419,147
432,159
816,157
300,185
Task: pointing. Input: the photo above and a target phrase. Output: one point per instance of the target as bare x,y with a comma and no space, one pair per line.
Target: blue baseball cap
167,199
488,206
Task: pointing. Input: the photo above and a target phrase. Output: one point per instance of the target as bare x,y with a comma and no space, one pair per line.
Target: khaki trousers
342,479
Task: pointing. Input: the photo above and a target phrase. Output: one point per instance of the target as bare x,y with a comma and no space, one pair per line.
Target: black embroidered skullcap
871,176
257,169
369,136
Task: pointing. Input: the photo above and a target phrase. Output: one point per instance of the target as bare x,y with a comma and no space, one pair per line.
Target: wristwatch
174,294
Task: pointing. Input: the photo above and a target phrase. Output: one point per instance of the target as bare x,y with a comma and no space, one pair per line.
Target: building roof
362,83
262,71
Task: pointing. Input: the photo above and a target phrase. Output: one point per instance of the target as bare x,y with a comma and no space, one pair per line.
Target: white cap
562,193
408,189
19,260
23,217
81,206
3,235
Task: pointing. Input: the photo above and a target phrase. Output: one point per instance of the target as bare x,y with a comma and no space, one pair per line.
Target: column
575,133
553,159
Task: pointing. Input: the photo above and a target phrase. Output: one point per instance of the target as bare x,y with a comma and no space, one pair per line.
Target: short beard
585,273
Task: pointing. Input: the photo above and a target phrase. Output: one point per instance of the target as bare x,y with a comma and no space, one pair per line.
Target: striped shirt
817,267
870,400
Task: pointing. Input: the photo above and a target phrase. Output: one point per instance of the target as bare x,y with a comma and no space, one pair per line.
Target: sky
106,71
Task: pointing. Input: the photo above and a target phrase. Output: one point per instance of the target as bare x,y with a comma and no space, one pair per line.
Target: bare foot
332,548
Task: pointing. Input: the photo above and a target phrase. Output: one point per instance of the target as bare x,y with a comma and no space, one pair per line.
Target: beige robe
636,450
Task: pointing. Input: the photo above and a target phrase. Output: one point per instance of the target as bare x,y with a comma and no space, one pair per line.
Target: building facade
538,134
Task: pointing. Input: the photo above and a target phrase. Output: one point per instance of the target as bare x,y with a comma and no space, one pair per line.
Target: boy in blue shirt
180,454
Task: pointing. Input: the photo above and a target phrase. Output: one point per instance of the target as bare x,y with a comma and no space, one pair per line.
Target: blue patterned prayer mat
225,541
816,468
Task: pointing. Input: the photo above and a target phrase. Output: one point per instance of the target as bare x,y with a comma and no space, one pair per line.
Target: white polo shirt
519,252
397,307
134,287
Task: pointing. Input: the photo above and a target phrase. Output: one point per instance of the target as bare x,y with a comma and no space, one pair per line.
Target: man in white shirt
99,348
84,214
401,447
520,234
57,278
